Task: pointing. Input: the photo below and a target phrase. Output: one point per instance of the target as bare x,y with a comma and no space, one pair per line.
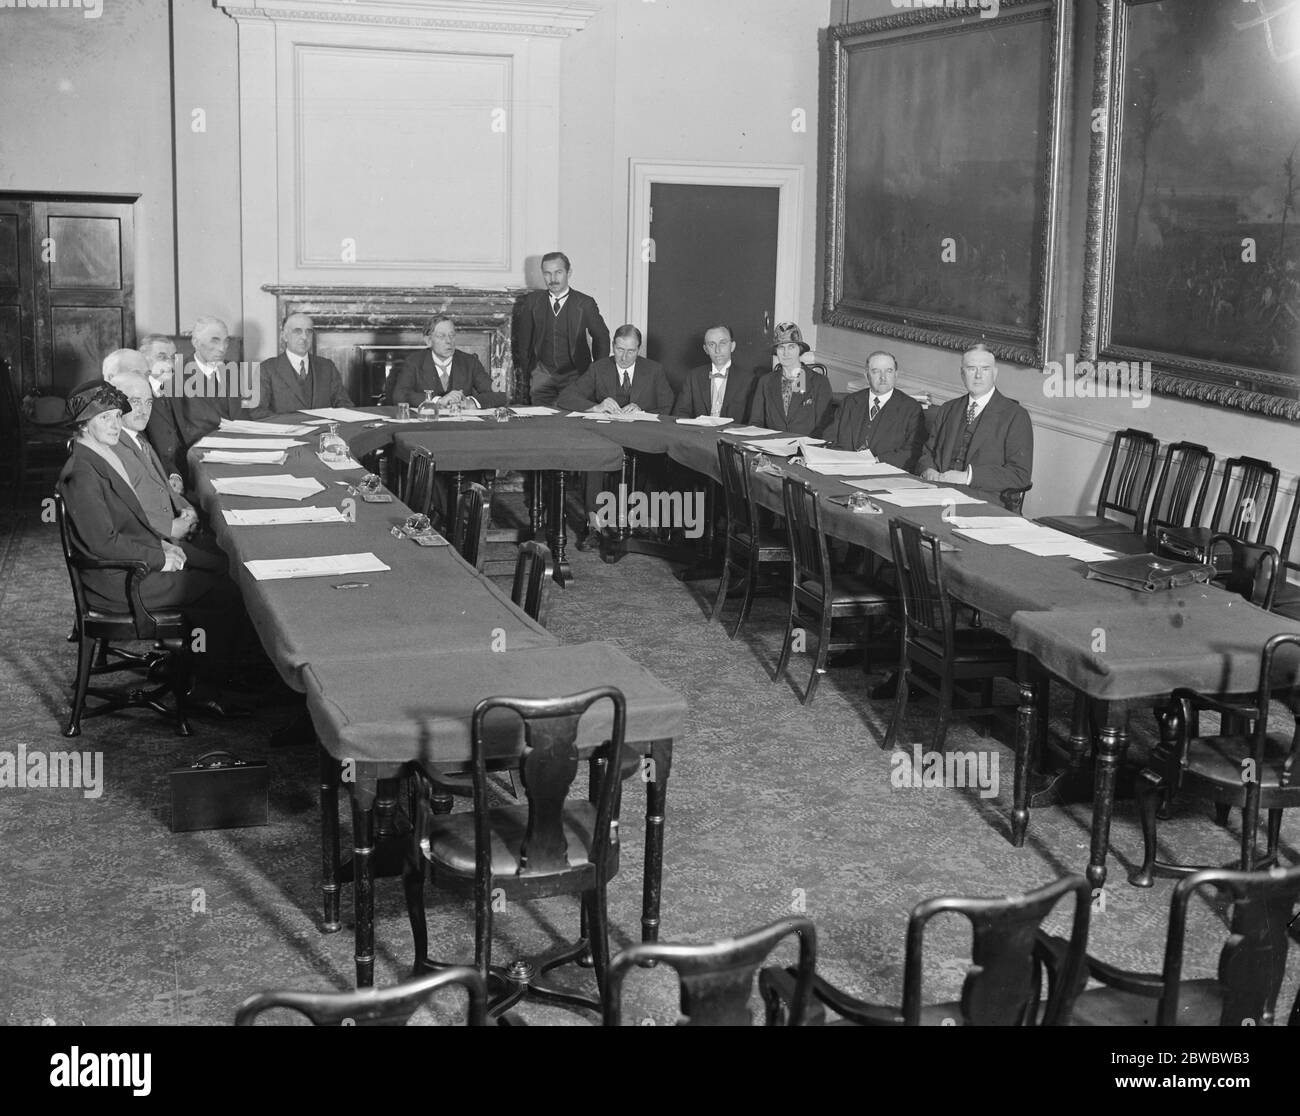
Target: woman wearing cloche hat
792,397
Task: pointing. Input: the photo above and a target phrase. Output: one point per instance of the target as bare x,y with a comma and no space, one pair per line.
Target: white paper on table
785,447
752,431
888,483
1080,549
340,414
1016,536
928,497
616,416
837,463
990,522
269,517
213,442
324,565
534,412
275,429
277,486
339,466
704,420
325,422
252,457
454,418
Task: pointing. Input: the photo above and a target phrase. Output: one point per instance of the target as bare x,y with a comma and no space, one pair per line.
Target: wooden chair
1250,570
1251,964
817,597
371,1007
534,572
95,630
1003,986
550,845
1125,489
27,446
1243,766
1180,493
1286,596
1244,510
932,641
421,471
469,534
749,546
717,979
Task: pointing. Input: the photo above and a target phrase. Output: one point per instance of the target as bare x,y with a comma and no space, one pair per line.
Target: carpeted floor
109,918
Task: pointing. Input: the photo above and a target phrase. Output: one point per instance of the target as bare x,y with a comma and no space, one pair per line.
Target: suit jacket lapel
124,491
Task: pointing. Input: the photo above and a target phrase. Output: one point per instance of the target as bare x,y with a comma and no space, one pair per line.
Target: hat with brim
787,333
94,398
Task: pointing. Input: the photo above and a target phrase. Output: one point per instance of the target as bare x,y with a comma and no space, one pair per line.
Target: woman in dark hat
106,521
792,397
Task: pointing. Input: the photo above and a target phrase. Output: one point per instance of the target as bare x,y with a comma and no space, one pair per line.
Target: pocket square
808,402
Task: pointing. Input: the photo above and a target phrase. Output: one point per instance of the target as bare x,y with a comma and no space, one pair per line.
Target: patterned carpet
111,919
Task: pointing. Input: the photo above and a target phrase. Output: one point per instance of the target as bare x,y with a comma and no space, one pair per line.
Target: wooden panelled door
67,286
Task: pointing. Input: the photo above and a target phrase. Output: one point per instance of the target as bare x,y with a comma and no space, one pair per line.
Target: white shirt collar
559,297
981,403
440,362
631,372
134,435
881,399
714,370
208,370
299,362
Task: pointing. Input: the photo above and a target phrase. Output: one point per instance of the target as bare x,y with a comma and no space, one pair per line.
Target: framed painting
1193,252
941,169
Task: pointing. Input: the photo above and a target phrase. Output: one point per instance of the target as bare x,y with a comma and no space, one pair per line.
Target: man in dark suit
882,420
552,330
621,384
981,440
296,380
718,389
453,375
209,391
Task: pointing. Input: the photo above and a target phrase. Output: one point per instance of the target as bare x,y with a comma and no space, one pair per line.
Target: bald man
296,380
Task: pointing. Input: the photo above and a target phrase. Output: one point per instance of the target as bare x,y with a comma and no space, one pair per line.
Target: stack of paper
338,466
278,429
785,447
617,416
838,463
927,497
704,420
214,442
269,517
277,486
254,457
457,418
1079,549
751,431
324,565
534,412
992,522
341,414
887,482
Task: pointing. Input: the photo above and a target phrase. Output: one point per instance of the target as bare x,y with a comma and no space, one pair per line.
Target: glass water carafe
428,409
332,446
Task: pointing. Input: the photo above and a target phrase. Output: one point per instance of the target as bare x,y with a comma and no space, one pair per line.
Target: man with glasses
159,352
453,375
296,380
981,440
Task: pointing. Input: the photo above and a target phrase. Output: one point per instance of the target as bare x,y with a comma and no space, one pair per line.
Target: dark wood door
714,262
17,295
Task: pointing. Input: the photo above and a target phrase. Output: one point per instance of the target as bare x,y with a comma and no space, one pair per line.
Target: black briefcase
220,791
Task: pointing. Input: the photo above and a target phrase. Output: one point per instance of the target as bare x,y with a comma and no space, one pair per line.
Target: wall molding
555,18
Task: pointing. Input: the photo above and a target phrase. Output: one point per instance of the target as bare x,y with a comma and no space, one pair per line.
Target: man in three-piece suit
982,439
453,375
552,331
718,389
296,380
885,421
620,384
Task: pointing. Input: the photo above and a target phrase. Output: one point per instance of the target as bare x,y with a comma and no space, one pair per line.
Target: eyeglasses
140,402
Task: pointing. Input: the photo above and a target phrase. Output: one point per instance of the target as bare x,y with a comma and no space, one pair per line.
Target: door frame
786,177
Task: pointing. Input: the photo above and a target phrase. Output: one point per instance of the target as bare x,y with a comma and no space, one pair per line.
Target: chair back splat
534,571
717,979
418,492
927,610
470,534
371,1007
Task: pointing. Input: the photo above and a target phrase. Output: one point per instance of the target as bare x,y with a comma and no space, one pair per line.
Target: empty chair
1248,569
1125,489
469,533
417,493
1252,962
534,571
1286,595
932,641
95,630
819,597
1244,510
1179,497
550,845
31,447
717,979
749,546
1242,766
1002,986
372,1007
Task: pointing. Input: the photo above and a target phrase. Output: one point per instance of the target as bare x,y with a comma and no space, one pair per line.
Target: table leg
329,833
534,487
1112,746
363,885
656,800
1028,678
708,564
563,574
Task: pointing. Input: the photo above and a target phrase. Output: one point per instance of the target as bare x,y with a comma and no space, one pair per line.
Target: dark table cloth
525,444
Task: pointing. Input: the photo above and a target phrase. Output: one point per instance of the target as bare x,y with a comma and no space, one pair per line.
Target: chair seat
1084,526
1200,1003
1286,601
451,838
772,546
970,645
853,595
1122,542
1218,759
121,625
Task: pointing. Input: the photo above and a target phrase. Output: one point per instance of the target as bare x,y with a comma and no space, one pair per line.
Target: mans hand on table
608,406
947,476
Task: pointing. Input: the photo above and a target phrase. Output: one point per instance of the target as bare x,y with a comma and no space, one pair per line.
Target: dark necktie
555,307
968,431
302,370
875,409
970,414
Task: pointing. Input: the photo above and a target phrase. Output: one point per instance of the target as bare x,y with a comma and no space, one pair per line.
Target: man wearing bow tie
296,380
718,389
882,420
982,439
552,330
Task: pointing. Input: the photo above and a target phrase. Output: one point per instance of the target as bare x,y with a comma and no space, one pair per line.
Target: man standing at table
453,375
622,384
552,332
717,389
981,440
887,422
296,380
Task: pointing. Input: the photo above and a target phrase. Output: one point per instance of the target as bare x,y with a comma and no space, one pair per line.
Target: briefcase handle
218,759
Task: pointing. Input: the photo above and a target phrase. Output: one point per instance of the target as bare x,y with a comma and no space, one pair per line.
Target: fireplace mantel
513,17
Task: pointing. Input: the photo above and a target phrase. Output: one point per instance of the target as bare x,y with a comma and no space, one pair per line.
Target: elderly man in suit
295,379
718,389
558,333
883,420
981,440
159,352
791,397
453,375
621,384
